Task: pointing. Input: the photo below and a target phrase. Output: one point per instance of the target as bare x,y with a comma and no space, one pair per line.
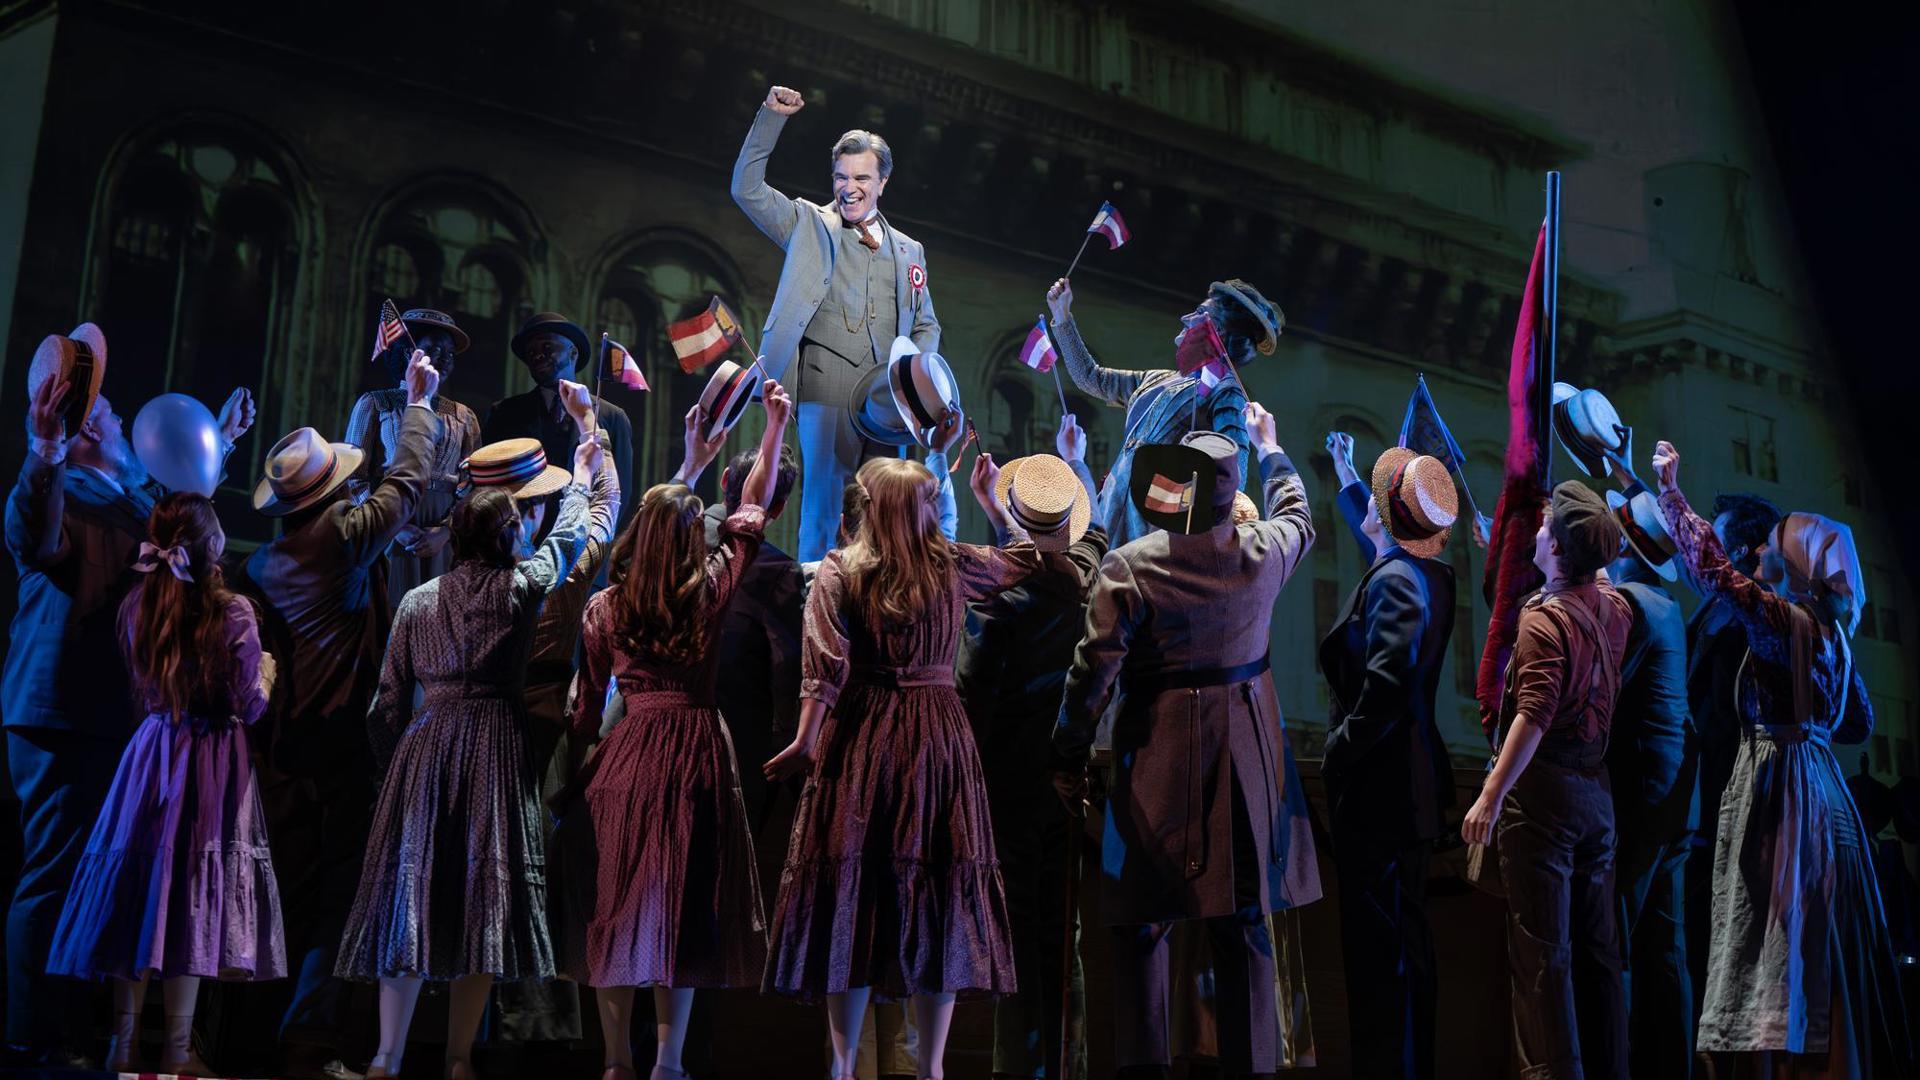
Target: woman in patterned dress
676,903
1800,975
419,554
454,885
176,878
891,884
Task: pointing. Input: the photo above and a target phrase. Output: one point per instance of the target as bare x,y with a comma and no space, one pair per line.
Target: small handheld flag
1199,346
706,337
616,360
1169,496
1038,352
1108,223
1424,432
391,329
1210,376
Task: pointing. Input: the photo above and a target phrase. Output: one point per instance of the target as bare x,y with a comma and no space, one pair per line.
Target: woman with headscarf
1800,972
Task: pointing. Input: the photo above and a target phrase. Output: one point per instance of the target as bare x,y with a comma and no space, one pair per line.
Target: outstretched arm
1110,385
771,212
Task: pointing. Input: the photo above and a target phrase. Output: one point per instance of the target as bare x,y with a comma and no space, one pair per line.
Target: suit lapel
829,219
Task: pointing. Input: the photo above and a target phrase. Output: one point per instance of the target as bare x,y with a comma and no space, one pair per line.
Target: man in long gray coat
850,285
1203,822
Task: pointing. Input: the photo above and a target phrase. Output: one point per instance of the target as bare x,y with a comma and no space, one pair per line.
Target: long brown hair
173,632
659,606
899,565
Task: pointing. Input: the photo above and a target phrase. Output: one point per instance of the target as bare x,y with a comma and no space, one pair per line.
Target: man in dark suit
552,347
760,638
1387,773
1011,672
1652,759
73,522
328,617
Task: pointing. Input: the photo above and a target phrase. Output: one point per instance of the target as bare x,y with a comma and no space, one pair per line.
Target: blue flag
1424,432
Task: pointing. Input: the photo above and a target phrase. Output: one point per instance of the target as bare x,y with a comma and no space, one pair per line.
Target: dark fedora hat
1173,486
550,322
421,318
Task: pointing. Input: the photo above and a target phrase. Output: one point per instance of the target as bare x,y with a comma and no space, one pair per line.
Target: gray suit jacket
804,230
328,614
1165,604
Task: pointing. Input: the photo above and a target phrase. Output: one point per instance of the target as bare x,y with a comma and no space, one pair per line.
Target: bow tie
869,231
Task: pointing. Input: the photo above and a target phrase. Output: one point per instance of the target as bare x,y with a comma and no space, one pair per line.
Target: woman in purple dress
176,879
676,905
454,884
891,884
1801,979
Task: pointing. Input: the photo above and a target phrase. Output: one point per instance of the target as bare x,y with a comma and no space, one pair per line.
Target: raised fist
785,100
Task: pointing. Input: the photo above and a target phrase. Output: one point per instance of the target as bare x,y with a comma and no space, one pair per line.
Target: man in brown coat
327,619
1200,824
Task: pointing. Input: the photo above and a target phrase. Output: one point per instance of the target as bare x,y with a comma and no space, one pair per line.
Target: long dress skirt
176,878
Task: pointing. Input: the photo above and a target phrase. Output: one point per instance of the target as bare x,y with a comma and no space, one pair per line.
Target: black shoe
17,1056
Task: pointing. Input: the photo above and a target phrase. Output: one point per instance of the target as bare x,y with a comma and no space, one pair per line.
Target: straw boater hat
1044,496
1272,320
519,465
1589,428
725,399
549,322
420,319
302,470
79,357
1645,529
1415,500
926,395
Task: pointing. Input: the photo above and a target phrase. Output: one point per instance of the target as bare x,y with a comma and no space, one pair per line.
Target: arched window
196,276
459,247
648,283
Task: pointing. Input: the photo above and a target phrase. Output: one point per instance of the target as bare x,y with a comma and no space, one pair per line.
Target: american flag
1108,224
616,360
391,329
1038,352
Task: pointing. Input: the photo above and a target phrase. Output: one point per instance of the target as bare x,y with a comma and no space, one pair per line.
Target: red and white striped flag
706,337
1166,496
391,329
616,360
1038,352
1108,224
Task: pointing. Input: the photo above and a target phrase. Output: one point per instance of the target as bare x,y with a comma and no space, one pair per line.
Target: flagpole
1549,329
1055,366
1076,255
1193,493
1462,477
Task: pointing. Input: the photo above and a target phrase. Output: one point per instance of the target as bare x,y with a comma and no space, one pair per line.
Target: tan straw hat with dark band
1044,496
302,470
519,465
726,396
81,359
1415,500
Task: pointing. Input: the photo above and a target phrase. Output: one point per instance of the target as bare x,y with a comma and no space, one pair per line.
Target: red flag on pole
1037,353
706,337
1523,496
1199,346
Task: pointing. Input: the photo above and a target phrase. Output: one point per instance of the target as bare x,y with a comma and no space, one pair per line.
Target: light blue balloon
178,441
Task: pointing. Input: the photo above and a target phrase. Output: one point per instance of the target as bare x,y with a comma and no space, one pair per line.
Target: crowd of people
484,713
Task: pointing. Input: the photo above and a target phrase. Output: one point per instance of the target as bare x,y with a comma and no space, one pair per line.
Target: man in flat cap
1162,405
553,347
850,285
1206,820
1550,794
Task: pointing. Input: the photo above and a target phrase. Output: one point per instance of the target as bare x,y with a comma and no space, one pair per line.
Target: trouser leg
1387,941
1244,1006
1594,935
1140,994
61,779
1535,862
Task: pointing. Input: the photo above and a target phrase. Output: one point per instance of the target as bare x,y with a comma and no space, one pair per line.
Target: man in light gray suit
851,284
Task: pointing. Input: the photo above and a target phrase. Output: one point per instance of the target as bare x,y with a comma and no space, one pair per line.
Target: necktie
869,231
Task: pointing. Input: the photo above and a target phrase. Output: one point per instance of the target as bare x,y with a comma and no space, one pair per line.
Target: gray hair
859,142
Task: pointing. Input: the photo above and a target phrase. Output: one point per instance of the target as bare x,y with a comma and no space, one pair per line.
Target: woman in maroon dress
891,883
676,905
